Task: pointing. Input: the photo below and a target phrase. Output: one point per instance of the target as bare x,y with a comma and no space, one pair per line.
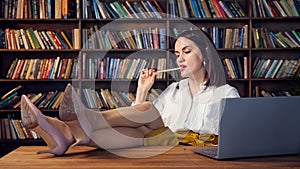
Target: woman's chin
184,75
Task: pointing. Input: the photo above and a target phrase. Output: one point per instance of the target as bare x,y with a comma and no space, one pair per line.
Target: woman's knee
143,106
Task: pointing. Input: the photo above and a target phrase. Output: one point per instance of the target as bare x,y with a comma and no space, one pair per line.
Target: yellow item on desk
165,137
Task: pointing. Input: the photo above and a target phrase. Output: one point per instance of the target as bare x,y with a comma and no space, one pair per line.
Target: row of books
13,129
260,92
236,67
98,99
110,99
227,37
96,9
52,68
275,8
276,68
145,38
38,9
118,68
10,97
30,38
205,9
46,100
264,38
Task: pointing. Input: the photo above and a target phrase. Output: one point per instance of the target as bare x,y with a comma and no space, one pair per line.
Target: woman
190,104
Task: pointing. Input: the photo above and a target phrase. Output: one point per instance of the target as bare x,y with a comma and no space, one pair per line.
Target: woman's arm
145,82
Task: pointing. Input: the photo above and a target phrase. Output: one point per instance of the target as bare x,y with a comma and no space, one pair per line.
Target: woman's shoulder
226,86
230,91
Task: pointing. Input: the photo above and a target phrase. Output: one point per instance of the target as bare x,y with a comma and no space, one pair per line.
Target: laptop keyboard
210,152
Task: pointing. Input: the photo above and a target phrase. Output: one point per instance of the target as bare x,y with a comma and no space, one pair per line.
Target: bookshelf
119,43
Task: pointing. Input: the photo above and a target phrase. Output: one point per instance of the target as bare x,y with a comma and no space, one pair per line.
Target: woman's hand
145,82
146,79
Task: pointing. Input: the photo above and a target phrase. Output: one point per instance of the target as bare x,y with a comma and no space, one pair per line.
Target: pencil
168,70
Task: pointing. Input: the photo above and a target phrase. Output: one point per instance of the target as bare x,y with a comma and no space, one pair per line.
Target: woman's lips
182,67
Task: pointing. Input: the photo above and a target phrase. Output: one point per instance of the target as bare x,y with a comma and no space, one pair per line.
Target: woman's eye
187,52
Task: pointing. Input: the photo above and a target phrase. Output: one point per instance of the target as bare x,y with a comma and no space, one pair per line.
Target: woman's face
189,58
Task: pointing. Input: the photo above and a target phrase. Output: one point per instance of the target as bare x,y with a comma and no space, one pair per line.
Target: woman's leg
117,137
128,122
127,126
118,128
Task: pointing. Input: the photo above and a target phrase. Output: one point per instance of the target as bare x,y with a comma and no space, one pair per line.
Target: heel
79,135
72,112
33,119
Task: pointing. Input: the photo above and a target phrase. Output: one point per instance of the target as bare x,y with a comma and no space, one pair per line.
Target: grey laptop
252,127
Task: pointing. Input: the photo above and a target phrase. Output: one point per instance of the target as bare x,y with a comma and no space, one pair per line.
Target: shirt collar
203,86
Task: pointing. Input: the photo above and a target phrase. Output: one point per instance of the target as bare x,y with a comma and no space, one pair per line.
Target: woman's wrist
141,95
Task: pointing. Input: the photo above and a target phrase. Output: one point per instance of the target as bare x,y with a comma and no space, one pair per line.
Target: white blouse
201,113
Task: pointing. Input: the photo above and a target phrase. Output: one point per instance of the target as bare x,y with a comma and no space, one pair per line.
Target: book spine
58,9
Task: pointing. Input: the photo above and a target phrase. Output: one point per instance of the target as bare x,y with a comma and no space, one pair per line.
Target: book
35,69
287,8
51,100
118,100
7,38
277,67
18,69
61,40
7,128
12,68
46,97
103,102
269,12
68,69
162,38
30,66
18,129
230,68
3,131
57,101
64,9
55,67
62,33
271,68
24,68
87,98
283,38
53,39
219,8
4,102
279,9
62,71
58,9
291,38
278,41
156,8
76,38
266,68
33,37
131,10
12,130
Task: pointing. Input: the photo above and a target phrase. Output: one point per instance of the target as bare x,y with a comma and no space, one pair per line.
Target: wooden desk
177,157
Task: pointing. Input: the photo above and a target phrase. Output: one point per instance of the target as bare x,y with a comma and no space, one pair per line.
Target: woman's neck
195,85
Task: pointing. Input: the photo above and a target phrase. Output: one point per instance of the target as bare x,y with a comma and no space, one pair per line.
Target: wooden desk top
177,157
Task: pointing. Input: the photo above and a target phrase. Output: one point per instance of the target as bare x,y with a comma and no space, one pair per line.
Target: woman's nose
180,58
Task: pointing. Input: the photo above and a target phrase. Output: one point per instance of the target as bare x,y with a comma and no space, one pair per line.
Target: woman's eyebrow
182,49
